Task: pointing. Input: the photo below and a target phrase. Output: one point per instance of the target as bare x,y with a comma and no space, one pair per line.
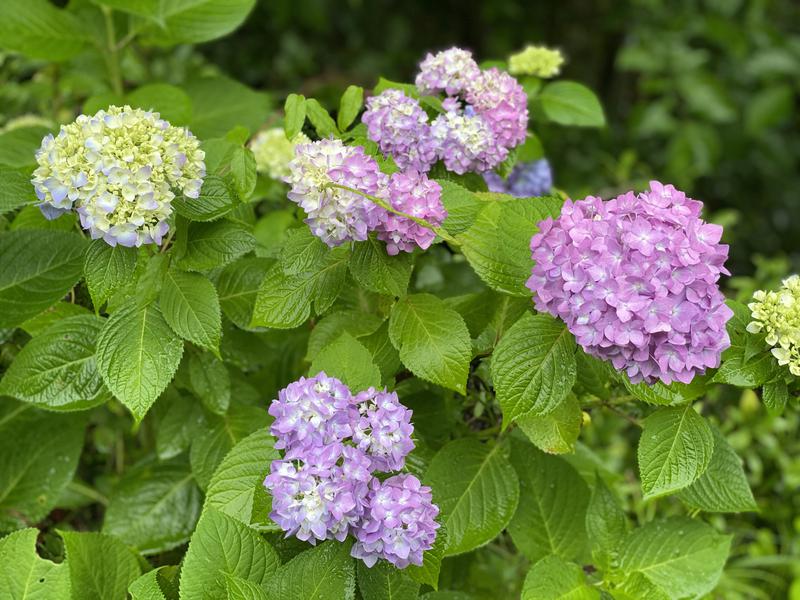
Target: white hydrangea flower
120,170
777,314
273,152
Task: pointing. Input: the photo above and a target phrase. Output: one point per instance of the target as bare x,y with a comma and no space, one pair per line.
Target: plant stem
112,52
165,245
85,490
622,414
385,205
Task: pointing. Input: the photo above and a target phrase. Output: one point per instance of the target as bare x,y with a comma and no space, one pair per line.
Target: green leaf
409,89
61,310
349,106
462,205
355,322
723,486
190,305
533,367
557,431
212,245
553,498
39,453
383,352
241,589
170,101
742,365
376,271
681,556
220,104
15,189
428,573
182,421
674,450
178,22
321,573
154,506
106,269
238,286
57,369
497,245
294,115
476,490
676,393
432,339
382,582
553,578
224,433
222,545
320,119
571,103
210,381
100,566
37,268
149,587
217,198
39,30
27,576
137,355
775,395
606,524
241,472
235,165
347,359
18,146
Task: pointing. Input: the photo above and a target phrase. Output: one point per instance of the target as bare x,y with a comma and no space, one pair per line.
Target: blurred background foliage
700,93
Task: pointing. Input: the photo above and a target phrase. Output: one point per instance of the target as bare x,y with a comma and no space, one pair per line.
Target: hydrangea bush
348,350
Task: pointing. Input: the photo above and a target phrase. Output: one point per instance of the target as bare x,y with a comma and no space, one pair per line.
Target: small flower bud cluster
336,215
527,180
273,152
635,280
538,61
118,169
777,314
485,115
324,487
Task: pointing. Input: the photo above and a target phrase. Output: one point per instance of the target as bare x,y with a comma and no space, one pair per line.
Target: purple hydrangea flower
336,215
398,523
449,71
400,127
383,429
527,180
321,496
311,412
416,195
635,280
466,142
503,103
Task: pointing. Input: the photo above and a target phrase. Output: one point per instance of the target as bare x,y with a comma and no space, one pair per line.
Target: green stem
112,52
85,490
383,204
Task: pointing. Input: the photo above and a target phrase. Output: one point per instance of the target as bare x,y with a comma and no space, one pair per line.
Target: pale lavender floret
398,523
383,429
336,215
448,71
503,103
311,412
399,126
412,193
466,142
527,180
635,280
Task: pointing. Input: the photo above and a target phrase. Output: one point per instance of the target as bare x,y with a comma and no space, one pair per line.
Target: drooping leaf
106,269
27,576
320,573
101,567
553,578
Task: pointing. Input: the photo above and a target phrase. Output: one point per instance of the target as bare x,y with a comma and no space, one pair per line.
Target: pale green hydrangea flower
120,170
274,152
777,313
536,60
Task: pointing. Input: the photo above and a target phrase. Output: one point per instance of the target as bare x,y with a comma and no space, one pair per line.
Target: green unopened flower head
536,60
777,313
274,152
120,170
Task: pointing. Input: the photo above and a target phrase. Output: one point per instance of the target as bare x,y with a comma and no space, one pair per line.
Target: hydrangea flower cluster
777,314
485,115
635,280
324,487
527,180
273,152
118,169
538,61
336,215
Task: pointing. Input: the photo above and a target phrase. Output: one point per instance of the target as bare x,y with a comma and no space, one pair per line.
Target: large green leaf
347,359
383,581
18,146
181,22
553,578
294,109
15,189
668,395
101,567
533,367
432,339
38,29
190,305
606,524
222,545
107,268
38,455
27,576
210,381
215,244
181,422
476,490
138,354
674,450
57,369
357,323
154,506
37,268
149,586
238,286
553,498
463,206
171,102
220,104
571,103
217,198
378,272
557,431
322,573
